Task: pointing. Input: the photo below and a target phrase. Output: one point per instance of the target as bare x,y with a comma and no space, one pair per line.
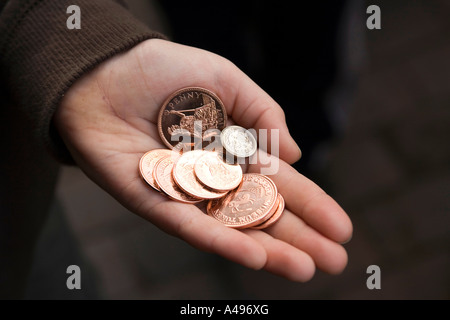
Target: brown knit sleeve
41,58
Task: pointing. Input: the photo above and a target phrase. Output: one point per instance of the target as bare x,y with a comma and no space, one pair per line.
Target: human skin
108,120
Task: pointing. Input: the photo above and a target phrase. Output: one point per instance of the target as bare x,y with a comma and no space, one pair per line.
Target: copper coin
275,216
163,176
148,162
214,173
187,114
238,141
248,207
184,176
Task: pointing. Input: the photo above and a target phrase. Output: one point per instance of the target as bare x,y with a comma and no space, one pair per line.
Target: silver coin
238,141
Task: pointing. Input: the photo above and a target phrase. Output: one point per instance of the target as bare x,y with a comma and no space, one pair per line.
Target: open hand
108,120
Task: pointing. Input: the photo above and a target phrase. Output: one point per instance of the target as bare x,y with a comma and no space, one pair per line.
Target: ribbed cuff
41,58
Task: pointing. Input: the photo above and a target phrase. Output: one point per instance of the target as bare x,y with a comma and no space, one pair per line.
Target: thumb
252,107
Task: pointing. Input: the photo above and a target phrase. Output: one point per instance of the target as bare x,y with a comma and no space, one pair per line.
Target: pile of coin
193,174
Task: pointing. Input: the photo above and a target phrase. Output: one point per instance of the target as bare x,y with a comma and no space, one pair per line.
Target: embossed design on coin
248,207
163,176
148,162
214,173
275,216
238,141
186,108
184,176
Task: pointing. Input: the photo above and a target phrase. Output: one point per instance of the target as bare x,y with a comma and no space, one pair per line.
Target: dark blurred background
370,110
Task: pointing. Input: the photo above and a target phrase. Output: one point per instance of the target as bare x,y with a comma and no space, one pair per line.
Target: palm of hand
108,121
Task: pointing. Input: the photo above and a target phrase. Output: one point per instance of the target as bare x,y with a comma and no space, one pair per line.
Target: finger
205,233
308,201
312,204
328,255
283,259
252,107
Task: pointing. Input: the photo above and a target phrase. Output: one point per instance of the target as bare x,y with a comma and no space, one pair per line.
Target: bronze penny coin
184,176
214,173
163,176
148,162
249,206
275,216
189,115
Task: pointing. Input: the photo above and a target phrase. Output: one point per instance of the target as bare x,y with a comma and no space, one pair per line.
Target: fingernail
299,152
348,240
